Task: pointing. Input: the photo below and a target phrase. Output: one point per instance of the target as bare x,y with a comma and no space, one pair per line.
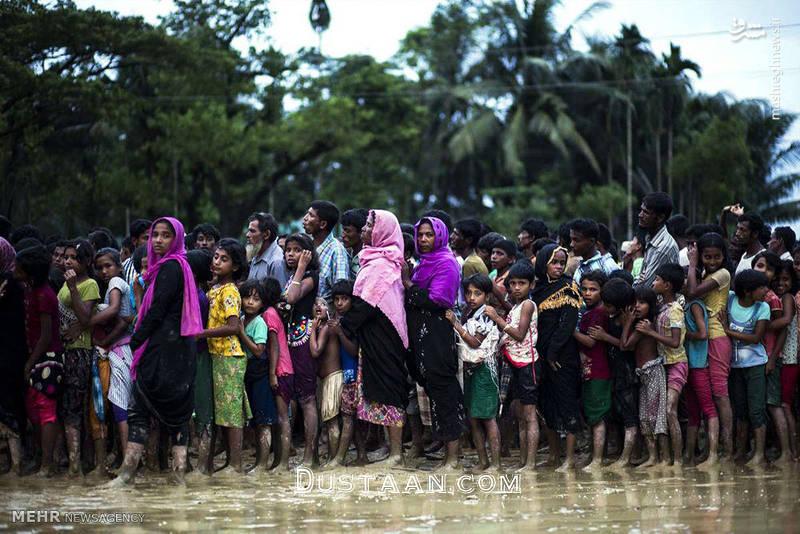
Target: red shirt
771,336
41,300
598,355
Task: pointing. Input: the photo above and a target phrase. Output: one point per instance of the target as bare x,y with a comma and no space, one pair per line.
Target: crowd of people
677,347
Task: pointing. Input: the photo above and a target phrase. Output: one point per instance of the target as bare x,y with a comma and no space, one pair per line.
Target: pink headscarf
379,280
7,256
191,320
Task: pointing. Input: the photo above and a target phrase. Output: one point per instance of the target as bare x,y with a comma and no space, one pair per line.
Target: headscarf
438,270
546,287
378,281
191,320
7,256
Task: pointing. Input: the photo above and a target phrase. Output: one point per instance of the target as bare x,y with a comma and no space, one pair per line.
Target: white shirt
746,262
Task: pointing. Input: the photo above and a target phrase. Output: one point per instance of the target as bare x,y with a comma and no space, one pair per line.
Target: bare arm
348,344
256,349
518,333
672,341
230,328
114,303
584,340
120,326
45,337
752,339
300,287
319,338
780,320
83,308
274,354
699,319
598,333
630,337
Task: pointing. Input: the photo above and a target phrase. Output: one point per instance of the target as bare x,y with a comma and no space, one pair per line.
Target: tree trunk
669,160
658,161
175,186
609,179
629,202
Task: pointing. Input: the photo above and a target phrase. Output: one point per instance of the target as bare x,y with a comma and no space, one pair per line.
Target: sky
734,41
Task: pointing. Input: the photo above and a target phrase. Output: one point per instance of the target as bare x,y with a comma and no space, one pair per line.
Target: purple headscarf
438,270
7,256
191,320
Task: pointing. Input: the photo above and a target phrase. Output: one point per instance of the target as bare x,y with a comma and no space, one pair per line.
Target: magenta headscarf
191,320
379,279
438,270
7,256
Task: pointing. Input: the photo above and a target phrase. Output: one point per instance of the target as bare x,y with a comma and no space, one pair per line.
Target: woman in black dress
377,322
165,350
558,302
14,355
430,292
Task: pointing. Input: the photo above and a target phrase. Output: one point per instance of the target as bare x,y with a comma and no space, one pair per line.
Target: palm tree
774,176
634,62
522,67
674,87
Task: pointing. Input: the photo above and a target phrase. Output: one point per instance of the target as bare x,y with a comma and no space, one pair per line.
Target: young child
711,257
796,261
670,333
699,399
769,263
200,262
785,285
43,366
228,359
281,372
518,343
746,322
478,341
253,335
504,252
342,292
77,300
618,297
114,353
594,360
325,348
139,260
300,292
637,336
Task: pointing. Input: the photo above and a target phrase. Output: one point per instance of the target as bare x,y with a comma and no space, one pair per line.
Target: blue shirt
696,349
334,265
744,319
349,366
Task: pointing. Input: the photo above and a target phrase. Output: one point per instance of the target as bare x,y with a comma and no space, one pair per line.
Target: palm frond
513,142
568,130
473,136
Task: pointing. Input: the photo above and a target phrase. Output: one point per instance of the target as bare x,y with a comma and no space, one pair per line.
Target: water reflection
667,499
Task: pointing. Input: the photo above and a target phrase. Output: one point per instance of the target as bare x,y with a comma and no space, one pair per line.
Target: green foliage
487,111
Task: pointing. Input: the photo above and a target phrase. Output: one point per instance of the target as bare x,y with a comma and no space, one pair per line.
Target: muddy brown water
729,499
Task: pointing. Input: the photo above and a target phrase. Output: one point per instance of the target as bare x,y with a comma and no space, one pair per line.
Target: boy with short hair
618,296
594,359
342,292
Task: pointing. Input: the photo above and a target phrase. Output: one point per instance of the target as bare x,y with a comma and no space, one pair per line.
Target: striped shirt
334,265
598,262
129,271
658,250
